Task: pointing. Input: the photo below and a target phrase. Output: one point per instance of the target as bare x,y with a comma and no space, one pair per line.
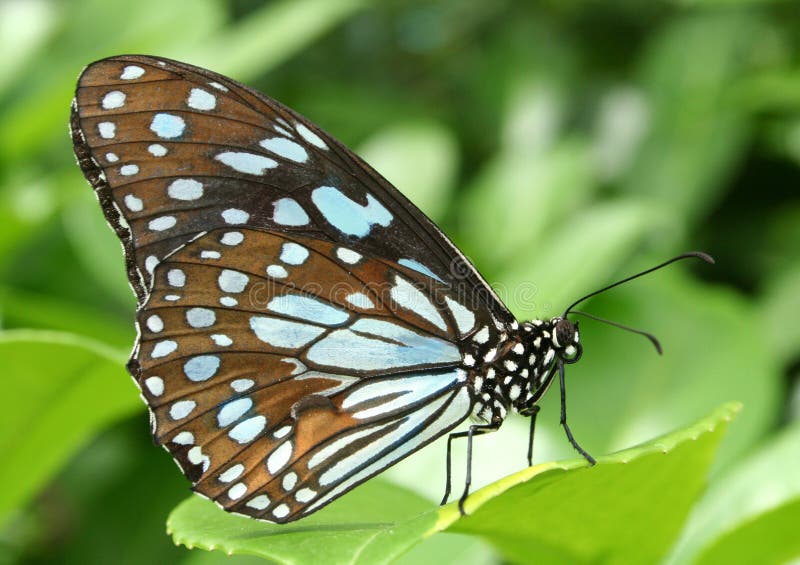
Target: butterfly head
566,340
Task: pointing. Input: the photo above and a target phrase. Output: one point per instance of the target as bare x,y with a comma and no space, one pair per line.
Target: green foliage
554,512
561,145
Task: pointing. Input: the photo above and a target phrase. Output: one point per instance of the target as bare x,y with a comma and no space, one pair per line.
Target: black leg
474,430
571,439
534,412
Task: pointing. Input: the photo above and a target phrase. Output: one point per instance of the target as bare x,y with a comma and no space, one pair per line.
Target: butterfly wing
281,371
174,150
301,322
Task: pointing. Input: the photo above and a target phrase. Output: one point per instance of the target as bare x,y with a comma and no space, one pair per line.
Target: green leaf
59,390
627,508
755,489
269,36
770,539
372,524
697,131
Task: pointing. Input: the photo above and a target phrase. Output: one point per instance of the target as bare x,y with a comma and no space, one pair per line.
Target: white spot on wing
162,223
289,213
285,148
231,281
414,300
248,430
235,216
167,126
185,189
107,130
310,136
280,457
199,99
133,204
246,162
155,385
131,72
113,99
283,333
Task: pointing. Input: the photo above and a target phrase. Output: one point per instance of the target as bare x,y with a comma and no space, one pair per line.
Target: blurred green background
561,144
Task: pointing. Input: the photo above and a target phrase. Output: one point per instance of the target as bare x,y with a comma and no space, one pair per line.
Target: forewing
281,370
173,150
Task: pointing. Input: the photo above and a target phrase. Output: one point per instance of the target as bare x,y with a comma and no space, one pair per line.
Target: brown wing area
173,151
281,371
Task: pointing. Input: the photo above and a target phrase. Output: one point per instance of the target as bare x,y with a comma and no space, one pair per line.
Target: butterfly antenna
691,254
653,339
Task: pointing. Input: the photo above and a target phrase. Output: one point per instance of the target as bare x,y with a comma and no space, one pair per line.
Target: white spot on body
199,99
185,189
510,365
114,99
249,163
131,72
519,349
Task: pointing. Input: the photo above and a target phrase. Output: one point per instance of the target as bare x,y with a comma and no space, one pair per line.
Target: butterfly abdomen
512,370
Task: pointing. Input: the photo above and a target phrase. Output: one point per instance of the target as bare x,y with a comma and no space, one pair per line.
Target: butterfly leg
474,430
533,412
570,437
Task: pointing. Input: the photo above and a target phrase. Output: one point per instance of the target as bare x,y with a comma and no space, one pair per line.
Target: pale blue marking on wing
419,267
293,253
401,392
167,126
283,333
307,308
289,213
201,368
392,346
347,216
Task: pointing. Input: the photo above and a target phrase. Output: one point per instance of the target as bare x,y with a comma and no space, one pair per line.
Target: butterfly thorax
513,370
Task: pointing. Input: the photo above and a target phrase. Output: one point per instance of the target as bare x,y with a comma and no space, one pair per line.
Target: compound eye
564,333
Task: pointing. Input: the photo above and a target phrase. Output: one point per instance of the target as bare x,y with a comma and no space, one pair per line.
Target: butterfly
301,324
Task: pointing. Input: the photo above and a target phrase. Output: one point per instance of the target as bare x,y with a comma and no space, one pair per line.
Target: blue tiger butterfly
302,325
